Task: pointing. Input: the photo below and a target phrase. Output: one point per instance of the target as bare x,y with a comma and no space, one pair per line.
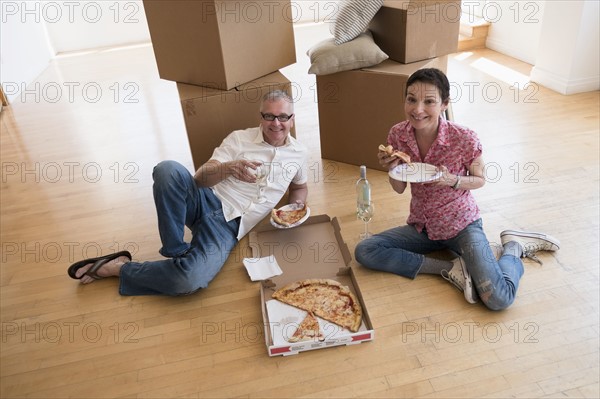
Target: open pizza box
313,250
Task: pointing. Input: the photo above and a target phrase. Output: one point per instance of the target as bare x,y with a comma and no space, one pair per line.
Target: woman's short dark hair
432,76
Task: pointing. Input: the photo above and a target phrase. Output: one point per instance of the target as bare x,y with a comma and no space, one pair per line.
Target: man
219,204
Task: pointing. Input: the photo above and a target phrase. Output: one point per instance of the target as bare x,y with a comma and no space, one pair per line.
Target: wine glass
365,213
261,172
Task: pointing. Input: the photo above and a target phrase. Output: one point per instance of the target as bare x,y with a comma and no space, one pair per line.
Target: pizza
308,330
326,298
288,217
404,157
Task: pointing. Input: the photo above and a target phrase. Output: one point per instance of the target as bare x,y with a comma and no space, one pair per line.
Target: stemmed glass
365,213
262,172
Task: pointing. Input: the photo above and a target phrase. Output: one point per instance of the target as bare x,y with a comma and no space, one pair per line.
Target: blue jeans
402,250
188,267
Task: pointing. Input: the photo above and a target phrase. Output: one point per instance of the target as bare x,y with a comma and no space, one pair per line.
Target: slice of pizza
288,217
308,330
404,157
326,298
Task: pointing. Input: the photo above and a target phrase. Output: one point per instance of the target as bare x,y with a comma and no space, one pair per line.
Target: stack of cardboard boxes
224,55
360,106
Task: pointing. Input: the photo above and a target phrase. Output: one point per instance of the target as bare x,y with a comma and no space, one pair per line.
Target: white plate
416,172
291,207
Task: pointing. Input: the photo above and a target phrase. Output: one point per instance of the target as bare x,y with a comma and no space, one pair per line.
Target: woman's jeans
402,250
188,267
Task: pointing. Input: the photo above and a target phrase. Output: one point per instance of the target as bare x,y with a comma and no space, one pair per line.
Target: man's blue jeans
402,250
188,267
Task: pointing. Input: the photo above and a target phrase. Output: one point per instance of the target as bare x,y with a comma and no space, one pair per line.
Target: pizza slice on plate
308,330
288,215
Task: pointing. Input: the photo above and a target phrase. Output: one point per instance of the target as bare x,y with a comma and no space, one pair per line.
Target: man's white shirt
286,164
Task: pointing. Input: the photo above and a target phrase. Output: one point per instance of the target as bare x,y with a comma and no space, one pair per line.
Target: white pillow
353,18
326,57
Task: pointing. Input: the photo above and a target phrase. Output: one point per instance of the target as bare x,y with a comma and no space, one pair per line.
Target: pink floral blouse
443,211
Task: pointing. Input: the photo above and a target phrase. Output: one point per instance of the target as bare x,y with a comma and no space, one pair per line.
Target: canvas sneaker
461,279
531,242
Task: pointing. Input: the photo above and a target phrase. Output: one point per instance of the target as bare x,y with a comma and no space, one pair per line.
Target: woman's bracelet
455,186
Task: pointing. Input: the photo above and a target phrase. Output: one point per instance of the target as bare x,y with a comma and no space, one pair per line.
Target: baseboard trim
564,86
506,48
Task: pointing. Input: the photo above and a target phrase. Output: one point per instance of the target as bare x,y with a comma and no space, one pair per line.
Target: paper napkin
262,268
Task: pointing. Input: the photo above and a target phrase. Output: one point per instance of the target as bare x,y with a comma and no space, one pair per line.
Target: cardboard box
211,114
313,250
414,30
358,108
220,44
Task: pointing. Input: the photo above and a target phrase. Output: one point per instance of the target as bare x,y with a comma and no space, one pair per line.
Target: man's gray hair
277,95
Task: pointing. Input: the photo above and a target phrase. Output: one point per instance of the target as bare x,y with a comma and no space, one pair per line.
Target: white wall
81,25
559,37
587,48
515,27
24,48
568,55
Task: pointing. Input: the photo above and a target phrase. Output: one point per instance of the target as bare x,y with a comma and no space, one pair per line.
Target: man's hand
243,170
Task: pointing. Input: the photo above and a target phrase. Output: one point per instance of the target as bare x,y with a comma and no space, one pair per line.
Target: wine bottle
363,195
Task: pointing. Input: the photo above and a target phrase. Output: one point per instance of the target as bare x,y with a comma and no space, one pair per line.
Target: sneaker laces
455,279
529,251
530,254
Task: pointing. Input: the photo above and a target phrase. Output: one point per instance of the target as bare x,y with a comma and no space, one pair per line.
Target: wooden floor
77,154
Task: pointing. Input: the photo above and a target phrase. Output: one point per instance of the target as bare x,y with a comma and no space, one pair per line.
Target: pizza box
313,250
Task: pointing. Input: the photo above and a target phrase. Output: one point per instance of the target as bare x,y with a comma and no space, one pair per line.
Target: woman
443,212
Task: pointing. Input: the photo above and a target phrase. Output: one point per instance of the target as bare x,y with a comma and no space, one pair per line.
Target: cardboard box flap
343,246
275,79
366,317
316,250
190,92
265,83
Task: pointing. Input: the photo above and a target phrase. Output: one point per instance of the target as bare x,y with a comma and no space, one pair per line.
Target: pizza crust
278,220
326,298
395,154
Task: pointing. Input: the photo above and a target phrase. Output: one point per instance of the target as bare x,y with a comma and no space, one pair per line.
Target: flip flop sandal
97,264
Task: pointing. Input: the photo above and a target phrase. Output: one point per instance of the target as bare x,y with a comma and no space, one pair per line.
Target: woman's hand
446,179
472,181
386,161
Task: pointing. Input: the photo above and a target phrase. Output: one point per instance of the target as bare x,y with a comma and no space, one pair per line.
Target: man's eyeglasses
280,118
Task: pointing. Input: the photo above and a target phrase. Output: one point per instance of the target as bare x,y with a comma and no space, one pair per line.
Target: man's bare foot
109,269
